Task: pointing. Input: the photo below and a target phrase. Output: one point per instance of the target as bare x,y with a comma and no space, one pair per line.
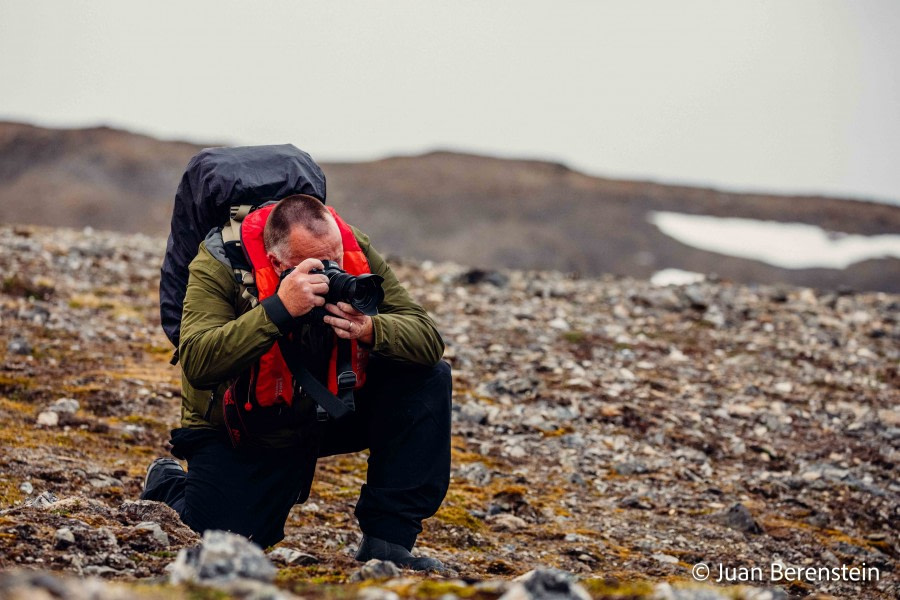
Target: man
402,412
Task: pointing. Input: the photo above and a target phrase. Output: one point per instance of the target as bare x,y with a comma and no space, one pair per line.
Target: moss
574,336
40,288
154,349
559,431
315,580
15,388
15,406
430,588
141,420
199,592
460,517
10,493
511,491
610,587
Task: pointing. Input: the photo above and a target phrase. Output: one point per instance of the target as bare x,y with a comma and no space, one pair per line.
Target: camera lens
367,294
364,293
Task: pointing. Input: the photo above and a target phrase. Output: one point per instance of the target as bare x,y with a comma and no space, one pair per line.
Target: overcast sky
785,96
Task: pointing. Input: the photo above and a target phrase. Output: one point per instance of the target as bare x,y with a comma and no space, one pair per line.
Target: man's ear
276,264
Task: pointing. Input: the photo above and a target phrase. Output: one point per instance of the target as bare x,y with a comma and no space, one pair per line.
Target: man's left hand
349,323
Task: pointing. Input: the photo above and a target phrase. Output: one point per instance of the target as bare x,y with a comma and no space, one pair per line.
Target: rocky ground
618,431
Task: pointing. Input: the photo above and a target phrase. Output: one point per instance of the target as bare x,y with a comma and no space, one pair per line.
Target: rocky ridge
423,207
617,431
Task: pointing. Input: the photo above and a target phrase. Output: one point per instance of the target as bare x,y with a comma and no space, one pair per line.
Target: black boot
371,547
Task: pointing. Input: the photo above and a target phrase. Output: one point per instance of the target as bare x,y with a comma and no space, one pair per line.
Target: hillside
616,430
473,210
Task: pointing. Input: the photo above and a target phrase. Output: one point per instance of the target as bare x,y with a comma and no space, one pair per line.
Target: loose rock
222,557
376,569
546,584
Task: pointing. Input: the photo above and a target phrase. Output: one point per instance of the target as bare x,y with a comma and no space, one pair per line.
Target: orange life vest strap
274,382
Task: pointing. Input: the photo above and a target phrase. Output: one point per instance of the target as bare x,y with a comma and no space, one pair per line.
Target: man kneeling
245,476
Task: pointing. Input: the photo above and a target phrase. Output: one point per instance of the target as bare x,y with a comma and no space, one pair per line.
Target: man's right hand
301,291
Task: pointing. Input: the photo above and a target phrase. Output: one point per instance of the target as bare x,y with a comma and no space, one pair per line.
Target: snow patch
785,245
676,277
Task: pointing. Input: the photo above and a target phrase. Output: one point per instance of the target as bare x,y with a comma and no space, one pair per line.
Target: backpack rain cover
215,180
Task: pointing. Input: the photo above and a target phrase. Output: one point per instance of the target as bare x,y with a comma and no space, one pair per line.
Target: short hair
299,209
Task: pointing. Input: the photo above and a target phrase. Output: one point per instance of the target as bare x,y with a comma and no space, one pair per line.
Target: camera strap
346,377
333,405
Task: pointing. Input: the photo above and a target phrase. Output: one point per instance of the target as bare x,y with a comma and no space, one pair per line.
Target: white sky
785,96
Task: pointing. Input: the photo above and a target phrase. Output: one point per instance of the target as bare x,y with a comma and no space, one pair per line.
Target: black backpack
219,185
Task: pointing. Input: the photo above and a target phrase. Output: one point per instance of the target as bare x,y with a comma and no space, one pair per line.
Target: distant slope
101,177
476,210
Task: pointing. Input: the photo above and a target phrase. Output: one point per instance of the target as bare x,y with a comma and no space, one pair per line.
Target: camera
364,293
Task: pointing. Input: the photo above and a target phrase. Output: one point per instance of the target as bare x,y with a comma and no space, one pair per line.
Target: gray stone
665,591
19,346
33,584
698,297
26,488
251,589
48,418
376,569
377,593
161,537
662,298
289,556
546,584
738,517
714,316
42,500
472,412
560,324
101,571
664,558
475,276
63,538
631,468
65,405
100,481
222,557
506,522
475,473
635,501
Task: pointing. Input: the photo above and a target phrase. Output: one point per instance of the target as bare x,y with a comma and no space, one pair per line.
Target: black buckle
346,380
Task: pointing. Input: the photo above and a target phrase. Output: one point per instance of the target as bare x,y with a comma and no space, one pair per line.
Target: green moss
430,588
613,588
574,336
10,493
460,517
197,592
14,388
154,349
316,574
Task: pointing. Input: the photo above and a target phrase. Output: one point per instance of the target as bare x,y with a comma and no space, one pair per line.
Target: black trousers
402,417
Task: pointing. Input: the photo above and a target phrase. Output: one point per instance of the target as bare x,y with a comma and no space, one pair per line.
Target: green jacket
222,336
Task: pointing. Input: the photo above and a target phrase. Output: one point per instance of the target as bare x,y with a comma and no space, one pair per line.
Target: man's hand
301,291
349,323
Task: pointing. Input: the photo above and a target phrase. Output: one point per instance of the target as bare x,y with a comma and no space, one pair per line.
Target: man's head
300,227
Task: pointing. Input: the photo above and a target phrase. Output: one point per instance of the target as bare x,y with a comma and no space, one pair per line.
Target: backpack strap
239,264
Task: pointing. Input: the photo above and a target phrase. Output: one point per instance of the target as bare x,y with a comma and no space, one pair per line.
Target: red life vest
274,383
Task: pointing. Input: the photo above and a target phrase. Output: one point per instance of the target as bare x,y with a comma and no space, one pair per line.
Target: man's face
305,244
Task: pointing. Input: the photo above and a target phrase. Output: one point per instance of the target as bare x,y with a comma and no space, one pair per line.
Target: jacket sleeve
216,344
403,329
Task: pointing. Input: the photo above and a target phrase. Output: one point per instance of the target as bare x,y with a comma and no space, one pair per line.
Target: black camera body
364,293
